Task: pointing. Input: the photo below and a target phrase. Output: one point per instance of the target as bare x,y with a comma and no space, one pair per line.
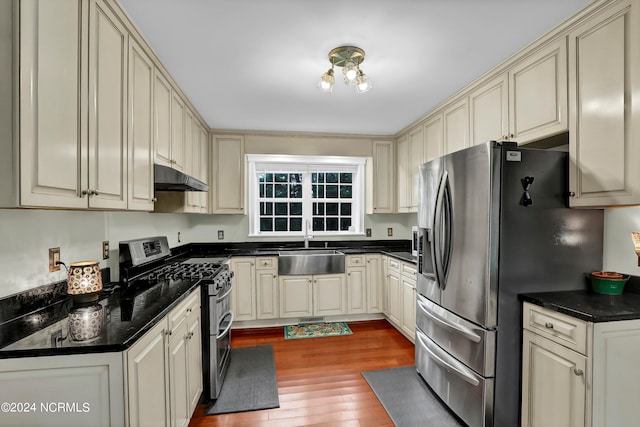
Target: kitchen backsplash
28,234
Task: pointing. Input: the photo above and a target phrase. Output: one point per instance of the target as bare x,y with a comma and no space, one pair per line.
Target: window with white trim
319,195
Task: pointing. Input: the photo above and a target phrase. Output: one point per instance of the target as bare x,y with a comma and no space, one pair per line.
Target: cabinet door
162,119
329,295
416,158
374,284
53,66
456,126
408,306
296,296
489,112
538,94
553,384
267,293
433,137
204,168
147,376
227,190
177,132
140,126
244,288
604,71
395,299
108,70
403,175
356,290
194,361
179,377
383,187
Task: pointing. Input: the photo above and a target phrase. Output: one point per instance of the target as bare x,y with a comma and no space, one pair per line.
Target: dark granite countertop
128,314
36,322
588,305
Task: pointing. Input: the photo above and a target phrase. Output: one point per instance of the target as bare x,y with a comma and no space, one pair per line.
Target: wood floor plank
319,379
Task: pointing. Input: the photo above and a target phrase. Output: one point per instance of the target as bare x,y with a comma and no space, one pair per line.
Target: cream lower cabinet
243,294
164,369
356,272
307,295
577,373
374,283
604,108
401,296
267,294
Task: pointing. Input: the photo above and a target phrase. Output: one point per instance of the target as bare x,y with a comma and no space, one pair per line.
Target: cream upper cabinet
204,167
140,127
604,73
162,119
53,92
489,111
227,174
403,176
433,137
538,94
456,126
108,70
381,186
410,157
178,126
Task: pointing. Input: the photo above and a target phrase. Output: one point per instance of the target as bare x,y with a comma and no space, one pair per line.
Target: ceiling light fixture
349,58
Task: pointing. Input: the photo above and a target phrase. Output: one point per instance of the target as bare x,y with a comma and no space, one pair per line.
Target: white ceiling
254,64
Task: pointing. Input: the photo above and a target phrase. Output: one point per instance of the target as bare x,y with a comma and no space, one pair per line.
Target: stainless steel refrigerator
493,222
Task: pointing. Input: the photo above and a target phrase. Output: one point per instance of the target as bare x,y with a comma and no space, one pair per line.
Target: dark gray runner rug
250,384
408,400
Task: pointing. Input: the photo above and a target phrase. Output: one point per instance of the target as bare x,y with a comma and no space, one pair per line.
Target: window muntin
289,193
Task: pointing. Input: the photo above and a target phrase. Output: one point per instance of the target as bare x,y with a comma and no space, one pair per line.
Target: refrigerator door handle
442,207
450,365
459,329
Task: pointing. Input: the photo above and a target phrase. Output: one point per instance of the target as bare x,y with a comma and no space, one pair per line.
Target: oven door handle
226,294
223,333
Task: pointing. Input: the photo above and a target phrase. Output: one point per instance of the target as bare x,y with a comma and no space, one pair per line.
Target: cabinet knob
548,325
572,194
83,193
155,199
274,276
578,372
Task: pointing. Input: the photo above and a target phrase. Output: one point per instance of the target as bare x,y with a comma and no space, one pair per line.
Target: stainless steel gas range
148,261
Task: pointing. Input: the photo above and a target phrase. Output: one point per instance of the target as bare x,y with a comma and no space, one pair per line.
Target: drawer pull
578,372
548,325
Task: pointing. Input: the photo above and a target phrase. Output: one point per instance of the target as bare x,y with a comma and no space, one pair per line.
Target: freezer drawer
467,342
466,393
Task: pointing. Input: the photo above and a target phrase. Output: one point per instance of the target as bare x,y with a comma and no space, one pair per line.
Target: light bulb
362,83
350,71
326,81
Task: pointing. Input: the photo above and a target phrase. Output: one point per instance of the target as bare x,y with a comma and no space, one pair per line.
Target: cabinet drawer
394,265
355,260
408,269
266,263
560,328
184,309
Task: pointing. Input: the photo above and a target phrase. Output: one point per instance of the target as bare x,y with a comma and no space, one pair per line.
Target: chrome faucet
307,236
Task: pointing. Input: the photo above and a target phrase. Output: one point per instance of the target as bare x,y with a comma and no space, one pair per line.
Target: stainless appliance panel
468,394
468,235
472,345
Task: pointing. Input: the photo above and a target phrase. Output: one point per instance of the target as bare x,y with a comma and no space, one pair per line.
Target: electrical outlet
389,231
105,249
54,259
368,232
220,234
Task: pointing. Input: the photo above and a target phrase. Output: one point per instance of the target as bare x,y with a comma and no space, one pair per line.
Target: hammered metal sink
310,261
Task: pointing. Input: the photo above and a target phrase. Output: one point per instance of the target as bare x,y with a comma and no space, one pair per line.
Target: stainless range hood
168,179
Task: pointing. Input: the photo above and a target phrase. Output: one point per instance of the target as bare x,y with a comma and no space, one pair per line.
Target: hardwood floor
319,381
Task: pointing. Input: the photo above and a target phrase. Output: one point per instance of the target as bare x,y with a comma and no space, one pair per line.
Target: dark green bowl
606,286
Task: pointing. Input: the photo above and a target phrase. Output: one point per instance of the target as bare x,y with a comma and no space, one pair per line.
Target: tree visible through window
291,195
